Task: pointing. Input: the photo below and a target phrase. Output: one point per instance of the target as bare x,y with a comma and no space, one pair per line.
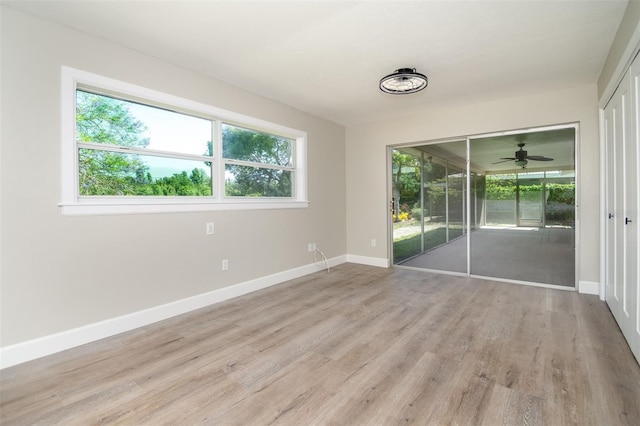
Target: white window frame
73,204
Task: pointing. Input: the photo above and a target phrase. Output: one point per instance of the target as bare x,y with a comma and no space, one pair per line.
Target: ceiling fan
521,157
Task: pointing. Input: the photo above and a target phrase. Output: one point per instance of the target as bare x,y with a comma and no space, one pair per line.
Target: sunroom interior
509,214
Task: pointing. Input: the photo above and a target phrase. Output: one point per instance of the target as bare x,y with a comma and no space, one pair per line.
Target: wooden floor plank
510,407
359,345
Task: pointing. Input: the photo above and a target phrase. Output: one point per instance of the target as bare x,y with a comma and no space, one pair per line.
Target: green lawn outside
410,246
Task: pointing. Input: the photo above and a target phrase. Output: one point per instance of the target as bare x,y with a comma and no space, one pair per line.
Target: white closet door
615,135
631,307
622,131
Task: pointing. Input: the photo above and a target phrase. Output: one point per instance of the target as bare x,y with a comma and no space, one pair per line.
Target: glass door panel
525,225
429,235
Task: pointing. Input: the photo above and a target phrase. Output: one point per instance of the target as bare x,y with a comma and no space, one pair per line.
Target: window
256,164
132,149
128,149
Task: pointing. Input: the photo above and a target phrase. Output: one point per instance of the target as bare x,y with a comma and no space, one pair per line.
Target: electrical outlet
210,228
225,264
373,242
311,247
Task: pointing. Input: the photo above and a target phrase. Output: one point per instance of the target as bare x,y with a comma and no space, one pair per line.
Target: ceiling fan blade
504,160
538,158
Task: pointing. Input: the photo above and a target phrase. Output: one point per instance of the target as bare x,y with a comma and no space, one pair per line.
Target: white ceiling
326,57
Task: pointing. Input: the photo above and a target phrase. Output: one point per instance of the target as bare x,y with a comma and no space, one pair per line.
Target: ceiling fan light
521,163
403,81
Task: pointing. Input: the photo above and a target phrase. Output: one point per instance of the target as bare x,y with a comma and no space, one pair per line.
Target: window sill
93,208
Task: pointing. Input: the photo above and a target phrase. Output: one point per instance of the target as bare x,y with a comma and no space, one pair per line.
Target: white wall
367,209
61,272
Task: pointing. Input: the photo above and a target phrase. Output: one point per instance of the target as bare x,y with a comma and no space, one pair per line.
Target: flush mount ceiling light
403,82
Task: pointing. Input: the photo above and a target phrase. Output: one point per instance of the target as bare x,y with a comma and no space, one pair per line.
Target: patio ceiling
487,150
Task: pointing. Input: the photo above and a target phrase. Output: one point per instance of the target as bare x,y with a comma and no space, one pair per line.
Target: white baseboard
47,345
366,260
588,287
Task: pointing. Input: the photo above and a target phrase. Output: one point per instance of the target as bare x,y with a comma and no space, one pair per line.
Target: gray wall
61,272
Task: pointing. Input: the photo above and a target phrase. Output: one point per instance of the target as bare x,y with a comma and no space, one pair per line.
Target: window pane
435,195
456,185
246,181
500,199
560,198
113,173
429,217
406,215
250,145
113,121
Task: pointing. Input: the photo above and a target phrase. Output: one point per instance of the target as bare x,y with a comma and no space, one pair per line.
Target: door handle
610,215
627,221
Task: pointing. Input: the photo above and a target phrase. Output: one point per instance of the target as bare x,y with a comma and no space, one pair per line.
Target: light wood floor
361,345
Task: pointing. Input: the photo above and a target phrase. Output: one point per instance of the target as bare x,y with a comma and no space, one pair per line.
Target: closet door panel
631,218
622,131
615,134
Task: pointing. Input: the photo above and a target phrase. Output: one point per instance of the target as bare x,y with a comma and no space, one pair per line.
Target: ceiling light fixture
403,81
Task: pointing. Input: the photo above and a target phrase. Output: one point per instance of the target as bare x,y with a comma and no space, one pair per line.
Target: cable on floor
325,262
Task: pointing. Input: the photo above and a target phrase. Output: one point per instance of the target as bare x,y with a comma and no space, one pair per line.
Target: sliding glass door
491,206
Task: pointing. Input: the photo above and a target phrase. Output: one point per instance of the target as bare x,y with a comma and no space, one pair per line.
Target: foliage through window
125,149
256,164
138,147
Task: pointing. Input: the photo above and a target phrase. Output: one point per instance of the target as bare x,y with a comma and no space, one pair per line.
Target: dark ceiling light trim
403,81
